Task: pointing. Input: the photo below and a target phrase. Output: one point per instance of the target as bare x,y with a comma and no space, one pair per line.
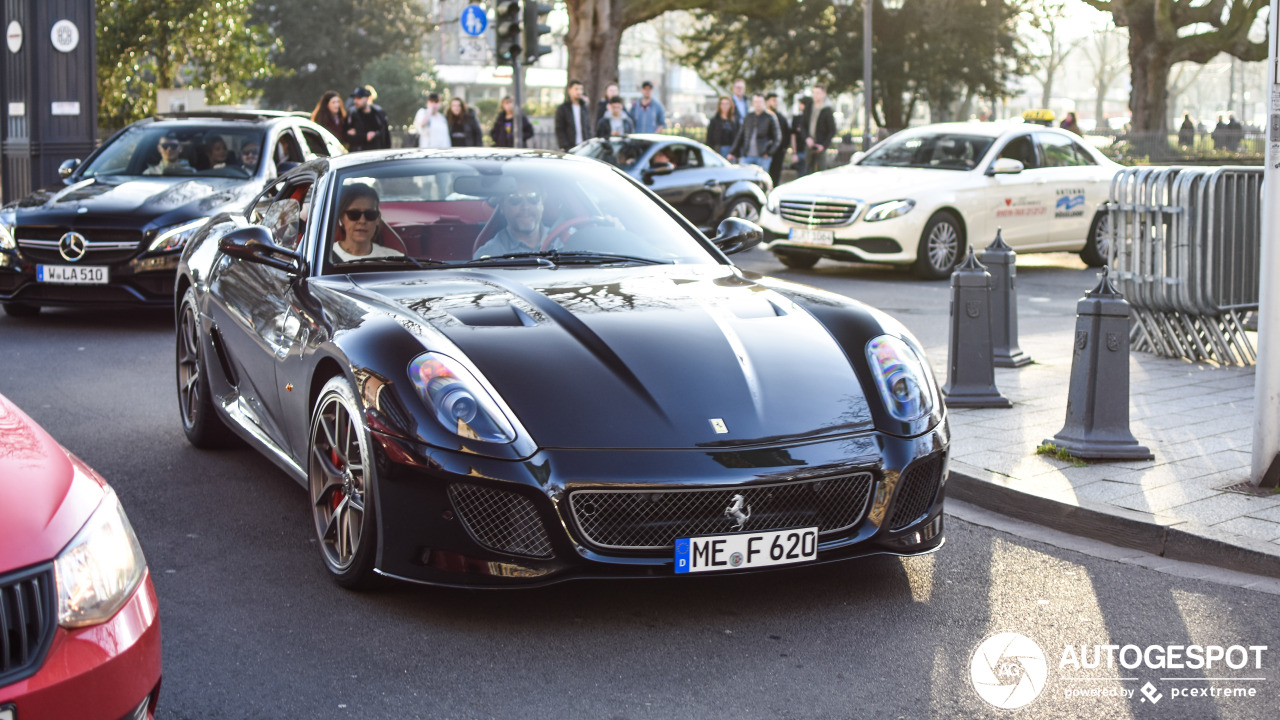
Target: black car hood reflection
129,201
647,357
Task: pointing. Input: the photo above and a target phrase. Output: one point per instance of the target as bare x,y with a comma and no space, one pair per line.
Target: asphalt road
253,628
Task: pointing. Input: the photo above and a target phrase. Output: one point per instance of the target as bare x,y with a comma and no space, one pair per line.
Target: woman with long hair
723,128
503,130
464,129
330,113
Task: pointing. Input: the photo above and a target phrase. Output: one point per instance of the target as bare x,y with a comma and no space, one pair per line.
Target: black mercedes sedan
509,367
111,231
690,176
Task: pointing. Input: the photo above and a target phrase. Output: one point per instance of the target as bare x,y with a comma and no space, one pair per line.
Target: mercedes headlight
902,377
459,401
175,237
889,210
99,570
7,221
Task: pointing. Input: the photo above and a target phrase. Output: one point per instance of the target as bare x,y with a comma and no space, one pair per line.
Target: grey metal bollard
1097,426
1001,262
971,377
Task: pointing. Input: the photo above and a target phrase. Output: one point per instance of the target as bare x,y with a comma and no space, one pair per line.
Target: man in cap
367,127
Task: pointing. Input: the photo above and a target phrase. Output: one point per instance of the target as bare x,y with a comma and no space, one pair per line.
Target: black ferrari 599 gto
497,368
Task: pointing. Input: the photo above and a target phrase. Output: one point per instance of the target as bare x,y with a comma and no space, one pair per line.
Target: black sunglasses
249,152
370,215
170,145
531,198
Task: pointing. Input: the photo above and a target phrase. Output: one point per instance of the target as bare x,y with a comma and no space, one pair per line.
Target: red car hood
46,493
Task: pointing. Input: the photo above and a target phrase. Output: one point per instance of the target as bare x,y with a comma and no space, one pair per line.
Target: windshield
942,151
502,210
619,152
219,150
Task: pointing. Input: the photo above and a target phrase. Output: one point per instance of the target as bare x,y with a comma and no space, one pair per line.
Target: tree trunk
1099,106
1046,89
1149,67
594,40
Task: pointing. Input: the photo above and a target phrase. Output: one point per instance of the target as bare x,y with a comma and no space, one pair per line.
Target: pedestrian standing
723,128
821,128
1234,134
784,137
433,129
800,131
741,105
503,130
464,128
330,113
602,105
1187,132
367,127
615,123
1070,124
648,114
758,136
572,118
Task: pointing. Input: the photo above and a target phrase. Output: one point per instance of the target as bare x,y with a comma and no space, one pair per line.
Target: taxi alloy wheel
340,472
1097,249
940,246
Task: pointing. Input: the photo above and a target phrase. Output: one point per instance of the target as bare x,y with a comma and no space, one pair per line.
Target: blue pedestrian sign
474,21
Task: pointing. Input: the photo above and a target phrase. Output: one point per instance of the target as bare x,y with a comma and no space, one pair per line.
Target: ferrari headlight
888,210
175,237
459,401
6,231
902,377
99,570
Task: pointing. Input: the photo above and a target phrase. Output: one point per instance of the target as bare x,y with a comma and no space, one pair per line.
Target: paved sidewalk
1187,503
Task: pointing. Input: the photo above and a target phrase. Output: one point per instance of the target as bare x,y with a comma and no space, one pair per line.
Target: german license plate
740,551
813,237
72,275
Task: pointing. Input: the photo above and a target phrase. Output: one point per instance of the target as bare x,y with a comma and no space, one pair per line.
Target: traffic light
507,21
535,26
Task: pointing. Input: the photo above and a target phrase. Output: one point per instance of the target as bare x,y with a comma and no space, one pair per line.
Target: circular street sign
65,36
474,21
14,36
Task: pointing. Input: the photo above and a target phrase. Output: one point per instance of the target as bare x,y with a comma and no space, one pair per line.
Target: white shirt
577,124
376,251
433,129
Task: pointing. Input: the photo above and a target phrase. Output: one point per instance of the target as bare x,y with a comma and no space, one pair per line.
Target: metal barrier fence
1185,251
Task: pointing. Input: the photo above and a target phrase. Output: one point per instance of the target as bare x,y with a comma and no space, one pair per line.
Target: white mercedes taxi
919,197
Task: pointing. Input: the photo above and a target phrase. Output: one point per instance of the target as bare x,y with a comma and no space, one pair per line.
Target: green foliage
931,50
486,111
1060,453
402,81
146,45
327,45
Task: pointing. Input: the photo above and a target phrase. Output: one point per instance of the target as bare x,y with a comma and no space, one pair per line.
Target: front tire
200,422
341,477
744,208
21,310
941,245
1097,249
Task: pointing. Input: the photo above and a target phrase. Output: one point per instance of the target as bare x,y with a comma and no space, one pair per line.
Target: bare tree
1050,47
1106,55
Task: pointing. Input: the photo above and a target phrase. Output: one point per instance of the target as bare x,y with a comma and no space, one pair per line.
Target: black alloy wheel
200,422
340,471
1097,249
941,244
744,208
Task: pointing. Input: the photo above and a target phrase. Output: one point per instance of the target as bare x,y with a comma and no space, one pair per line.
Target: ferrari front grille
916,491
26,622
654,519
501,520
818,212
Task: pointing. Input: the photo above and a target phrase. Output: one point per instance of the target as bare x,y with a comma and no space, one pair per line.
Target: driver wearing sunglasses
171,161
358,216
524,231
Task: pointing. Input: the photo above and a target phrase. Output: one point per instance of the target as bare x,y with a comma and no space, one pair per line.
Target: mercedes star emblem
737,512
72,246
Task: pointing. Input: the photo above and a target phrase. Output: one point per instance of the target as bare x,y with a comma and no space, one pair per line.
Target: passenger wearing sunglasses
524,231
171,161
249,155
358,217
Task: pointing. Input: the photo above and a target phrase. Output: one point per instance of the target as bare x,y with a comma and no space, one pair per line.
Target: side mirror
653,171
1005,166
255,244
67,167
734,235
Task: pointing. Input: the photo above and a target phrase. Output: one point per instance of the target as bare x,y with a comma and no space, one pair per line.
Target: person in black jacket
573,118
602,105
784,132
800,132
615,123
722,130
819,123
367,127
464,129
503,132
758,136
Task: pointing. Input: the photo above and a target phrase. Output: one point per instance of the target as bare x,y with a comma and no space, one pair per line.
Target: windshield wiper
546,258
393,259
558,257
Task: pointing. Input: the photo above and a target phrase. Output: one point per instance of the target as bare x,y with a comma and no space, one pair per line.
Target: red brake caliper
336,498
